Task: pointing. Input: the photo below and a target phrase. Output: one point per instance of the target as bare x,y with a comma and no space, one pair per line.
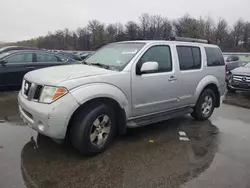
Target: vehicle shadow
151,156
239,98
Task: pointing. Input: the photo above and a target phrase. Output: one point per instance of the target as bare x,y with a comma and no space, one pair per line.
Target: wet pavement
239,98
216,155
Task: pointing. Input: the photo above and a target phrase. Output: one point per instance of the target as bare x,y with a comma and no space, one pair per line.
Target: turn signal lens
50,94
59,93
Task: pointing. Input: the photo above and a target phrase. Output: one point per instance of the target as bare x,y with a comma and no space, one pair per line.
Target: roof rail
185,39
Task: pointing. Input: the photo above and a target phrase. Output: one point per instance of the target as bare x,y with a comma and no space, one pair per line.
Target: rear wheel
93,129
204,106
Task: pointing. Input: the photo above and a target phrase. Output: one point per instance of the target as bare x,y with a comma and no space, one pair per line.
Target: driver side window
160,54
20,58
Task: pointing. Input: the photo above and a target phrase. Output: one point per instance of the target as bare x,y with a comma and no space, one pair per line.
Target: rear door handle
172,78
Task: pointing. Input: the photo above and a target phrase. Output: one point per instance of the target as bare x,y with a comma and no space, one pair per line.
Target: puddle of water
132,161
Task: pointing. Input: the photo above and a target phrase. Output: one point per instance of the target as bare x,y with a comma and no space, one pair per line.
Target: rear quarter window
214,57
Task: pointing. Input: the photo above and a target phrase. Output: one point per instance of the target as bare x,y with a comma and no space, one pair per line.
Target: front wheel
204,106
93,129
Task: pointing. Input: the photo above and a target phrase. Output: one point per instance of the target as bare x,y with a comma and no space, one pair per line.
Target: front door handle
172,78
30,67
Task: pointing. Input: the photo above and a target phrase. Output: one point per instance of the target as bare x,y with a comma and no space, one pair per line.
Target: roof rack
185,39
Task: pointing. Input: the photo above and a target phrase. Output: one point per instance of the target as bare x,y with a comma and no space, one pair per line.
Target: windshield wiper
84,62
100,65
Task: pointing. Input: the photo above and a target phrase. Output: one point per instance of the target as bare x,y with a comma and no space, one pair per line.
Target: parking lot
216,153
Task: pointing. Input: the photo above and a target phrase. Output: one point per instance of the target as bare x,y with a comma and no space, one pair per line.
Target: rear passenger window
189,57
214,57
44,57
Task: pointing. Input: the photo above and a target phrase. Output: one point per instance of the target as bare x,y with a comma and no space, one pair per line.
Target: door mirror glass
150,66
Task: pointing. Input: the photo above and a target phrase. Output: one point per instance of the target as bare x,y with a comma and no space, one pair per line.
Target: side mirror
3,62
149,67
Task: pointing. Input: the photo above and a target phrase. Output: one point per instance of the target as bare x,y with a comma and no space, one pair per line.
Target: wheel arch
209,82
102,93
120,114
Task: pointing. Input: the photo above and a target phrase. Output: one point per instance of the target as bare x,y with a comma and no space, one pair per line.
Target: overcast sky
24,19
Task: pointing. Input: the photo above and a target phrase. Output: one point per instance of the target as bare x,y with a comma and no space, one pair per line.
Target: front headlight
230,78
50,94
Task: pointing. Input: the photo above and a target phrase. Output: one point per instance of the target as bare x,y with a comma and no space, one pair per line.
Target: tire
198,112
230,90
84,125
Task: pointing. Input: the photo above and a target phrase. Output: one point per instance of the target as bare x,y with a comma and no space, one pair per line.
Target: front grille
31,91
26,88
241,78
38,92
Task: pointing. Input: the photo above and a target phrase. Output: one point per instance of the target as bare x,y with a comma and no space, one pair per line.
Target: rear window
214,57
189,57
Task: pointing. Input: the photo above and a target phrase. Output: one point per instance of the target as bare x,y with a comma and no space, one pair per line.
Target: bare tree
66,38
94,27
144,25
246,36
153,26
132,30
83,38
159,25
209,29
111,32
120,32
187,27
167,29
95,34
221,31
75,39
238,32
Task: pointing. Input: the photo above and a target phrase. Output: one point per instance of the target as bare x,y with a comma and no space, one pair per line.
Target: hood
242,71
56,75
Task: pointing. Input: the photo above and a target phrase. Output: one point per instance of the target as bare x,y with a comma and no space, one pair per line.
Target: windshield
4,54
247,65
115,55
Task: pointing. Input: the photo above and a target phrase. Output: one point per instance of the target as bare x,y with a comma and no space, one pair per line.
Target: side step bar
146,120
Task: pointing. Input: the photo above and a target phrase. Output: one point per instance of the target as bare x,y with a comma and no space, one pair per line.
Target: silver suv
124,84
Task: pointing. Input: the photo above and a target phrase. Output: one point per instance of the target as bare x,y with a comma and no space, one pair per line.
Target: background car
11,48
84,55
15,64
232,62
70,55
239,79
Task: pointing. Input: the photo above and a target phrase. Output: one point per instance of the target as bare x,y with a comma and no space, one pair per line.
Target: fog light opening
40,126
